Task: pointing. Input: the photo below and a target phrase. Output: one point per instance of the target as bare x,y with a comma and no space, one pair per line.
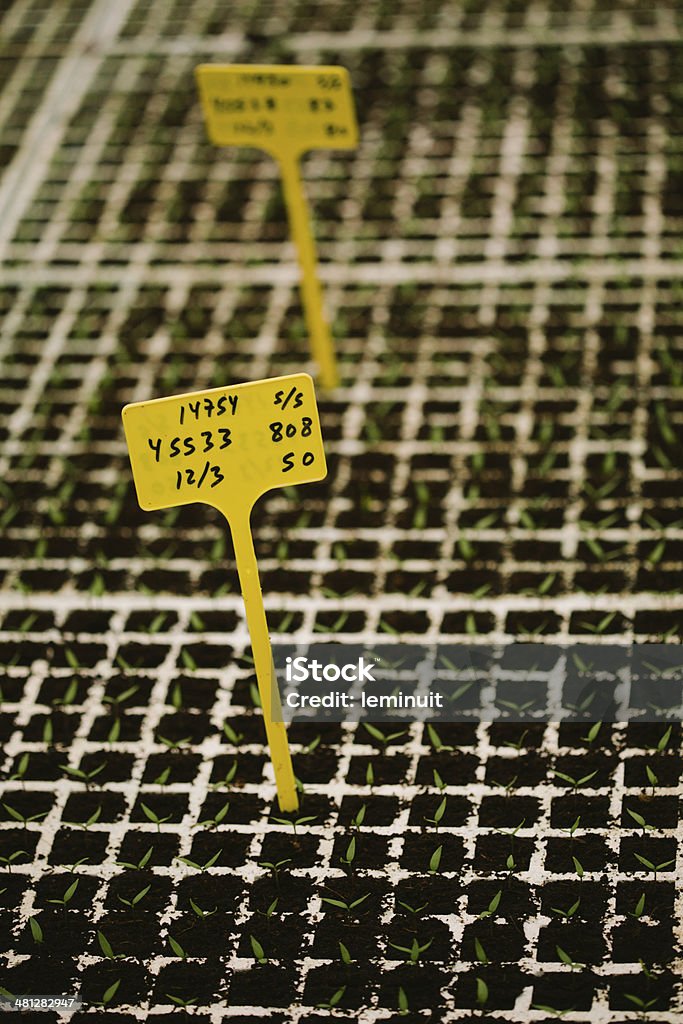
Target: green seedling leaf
36,930
435,740
68,895
201,913
642,1004
257,950
492,907
412,910
480,952
567,913
333,1000
335,903
105,946
565,957
360,817
578,867
350,852
664,740
482,992
435,860
652,778
110,992
357,903
592,734
438,814
344,953
639,907
177,948
438,781
369,775
639,820
403,1007
21,768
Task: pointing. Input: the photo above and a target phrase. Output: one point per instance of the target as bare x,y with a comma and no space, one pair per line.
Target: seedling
578,867
234,737
403,1007
109,993
163,778
414,951
9,861
640,821
294,822
482,993
116,702
412,910
639,907
438,781
333,1000
68,895
18,816
179,1001
22,768
575,783
438,815
358,820
257,950
270,909
573,827
173,744
641,1004
217,819
344,954
201,867
342,905
566,959
137,898
519,744
654,867
153,816
141,864
78,773
69,697
664,740
350,854
36,930
229,776
274,868
492,907
569,913
106,948
234,444
435,860
480,952
651,778
378,735
435,740
202,914
592,734
177,948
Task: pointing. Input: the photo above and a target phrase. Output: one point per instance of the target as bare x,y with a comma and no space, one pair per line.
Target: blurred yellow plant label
286,110
226,447
281,108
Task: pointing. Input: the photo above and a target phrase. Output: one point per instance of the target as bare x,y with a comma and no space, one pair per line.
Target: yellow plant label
281,108
226,447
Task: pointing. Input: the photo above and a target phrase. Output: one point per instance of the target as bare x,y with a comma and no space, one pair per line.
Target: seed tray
501,266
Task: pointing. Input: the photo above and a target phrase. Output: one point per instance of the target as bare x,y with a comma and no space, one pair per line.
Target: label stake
286,111
226,447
